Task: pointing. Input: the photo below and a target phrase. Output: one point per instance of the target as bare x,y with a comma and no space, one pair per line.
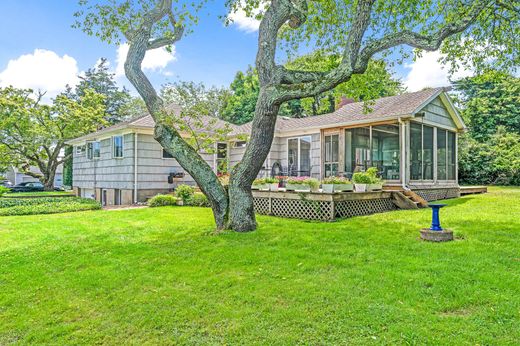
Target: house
411,138
15,176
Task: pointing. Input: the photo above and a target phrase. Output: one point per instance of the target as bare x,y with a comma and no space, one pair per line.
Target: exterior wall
106,172
435,112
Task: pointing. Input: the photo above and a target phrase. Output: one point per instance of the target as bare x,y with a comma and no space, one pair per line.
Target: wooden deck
472,190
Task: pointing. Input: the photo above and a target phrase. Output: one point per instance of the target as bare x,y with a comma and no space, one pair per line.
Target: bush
45,205
162,200
4,190
362,178
198,200
185,192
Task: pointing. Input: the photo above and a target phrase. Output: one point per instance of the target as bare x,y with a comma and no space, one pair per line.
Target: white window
117,146
80,150
240,144
299,156
93,150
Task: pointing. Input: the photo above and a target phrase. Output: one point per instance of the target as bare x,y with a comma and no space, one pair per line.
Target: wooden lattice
302,209
321,207
438,194
363,207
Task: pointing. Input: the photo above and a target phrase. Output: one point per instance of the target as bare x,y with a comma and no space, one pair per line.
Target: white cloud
42,70
243,22
427,71
155,60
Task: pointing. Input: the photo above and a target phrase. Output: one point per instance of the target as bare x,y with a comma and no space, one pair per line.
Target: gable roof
386,108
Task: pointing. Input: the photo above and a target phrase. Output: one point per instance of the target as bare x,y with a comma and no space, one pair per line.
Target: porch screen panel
293,155
305,156
441,154
427,153
416,151
451,153
331,155
385,151
358,145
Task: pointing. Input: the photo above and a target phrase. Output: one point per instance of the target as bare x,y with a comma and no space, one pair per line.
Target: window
385,151
331,155
299,156
166,155
80,150
441,155
421,152
452,156
222,161
117,146
240,144
357,149
93,150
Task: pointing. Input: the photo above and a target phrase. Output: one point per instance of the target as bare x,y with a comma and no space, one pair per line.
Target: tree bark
242,215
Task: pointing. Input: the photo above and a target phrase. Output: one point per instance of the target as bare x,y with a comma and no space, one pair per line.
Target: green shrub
184,192
199,200
46,205
4,190
162,200
362,178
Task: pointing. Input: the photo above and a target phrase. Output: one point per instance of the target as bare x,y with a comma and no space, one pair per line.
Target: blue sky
42,51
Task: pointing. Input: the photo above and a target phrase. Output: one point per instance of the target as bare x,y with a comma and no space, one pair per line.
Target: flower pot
343,187
315,189
290,187
263,187
327,188
255,187
360,187
273,187
374,187
302,188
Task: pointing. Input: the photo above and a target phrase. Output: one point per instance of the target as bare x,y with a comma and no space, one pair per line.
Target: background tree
355,30
102,81
35,134
488,101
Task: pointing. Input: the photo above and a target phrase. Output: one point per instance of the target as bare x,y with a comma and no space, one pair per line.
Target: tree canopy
490,100
35,134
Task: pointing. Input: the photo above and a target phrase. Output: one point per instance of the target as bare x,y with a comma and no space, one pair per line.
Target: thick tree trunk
48,179
242,215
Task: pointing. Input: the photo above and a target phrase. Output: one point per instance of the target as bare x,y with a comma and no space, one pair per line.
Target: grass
159,276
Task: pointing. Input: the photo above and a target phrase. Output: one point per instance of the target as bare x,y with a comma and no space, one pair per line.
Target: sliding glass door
299,156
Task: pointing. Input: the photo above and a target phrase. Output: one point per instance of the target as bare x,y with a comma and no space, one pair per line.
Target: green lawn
159,276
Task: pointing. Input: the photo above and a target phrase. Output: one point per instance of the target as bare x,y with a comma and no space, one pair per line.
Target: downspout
135,167
403,154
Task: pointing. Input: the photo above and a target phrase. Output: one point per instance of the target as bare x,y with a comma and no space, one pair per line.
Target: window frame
91,150
299,138
332,162
122,147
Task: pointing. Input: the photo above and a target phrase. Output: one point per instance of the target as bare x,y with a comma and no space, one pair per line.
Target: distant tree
135,107
67,166
35,134
102,81
376,82
488,101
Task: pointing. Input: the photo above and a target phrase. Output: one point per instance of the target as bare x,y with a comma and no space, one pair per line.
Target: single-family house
411,139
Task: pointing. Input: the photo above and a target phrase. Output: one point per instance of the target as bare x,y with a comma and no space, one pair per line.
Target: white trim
299,151
135,169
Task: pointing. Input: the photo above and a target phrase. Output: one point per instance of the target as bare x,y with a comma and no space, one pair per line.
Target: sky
40,50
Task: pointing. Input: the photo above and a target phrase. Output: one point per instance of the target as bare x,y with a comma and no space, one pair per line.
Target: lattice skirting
438,194
320,210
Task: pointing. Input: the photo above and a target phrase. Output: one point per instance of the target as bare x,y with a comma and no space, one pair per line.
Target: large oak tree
477,32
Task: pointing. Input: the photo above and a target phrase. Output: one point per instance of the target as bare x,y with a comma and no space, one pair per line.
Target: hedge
45,205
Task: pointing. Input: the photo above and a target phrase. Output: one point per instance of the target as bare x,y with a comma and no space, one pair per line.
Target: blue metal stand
436,223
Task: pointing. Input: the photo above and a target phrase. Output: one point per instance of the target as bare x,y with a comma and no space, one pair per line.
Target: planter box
273,187
290,187
374,187
298,188
262,187
360,187
343,187
327,188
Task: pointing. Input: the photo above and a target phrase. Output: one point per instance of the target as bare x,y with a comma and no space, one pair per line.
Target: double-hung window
93,150
117,146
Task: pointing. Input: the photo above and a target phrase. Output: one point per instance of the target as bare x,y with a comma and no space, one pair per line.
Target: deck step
418,200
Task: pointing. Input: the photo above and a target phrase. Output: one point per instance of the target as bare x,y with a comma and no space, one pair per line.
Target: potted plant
260,184
361,181
273,183
302,184
337,184
376,183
